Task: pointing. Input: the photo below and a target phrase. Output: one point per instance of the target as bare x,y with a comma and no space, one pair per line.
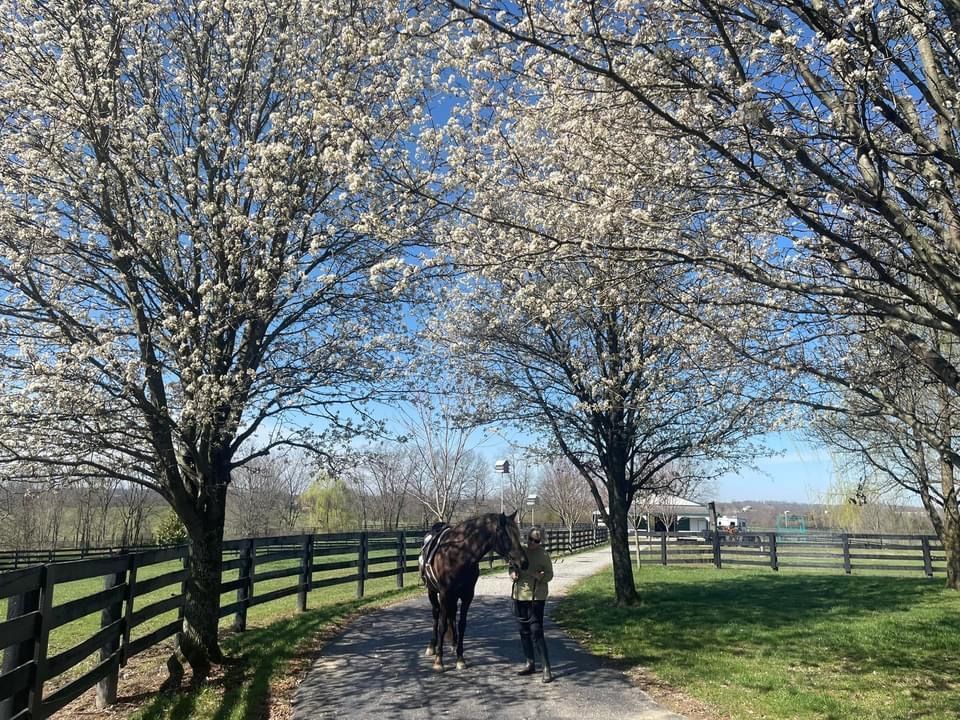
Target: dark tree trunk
950,532
951,549
623,582
198,640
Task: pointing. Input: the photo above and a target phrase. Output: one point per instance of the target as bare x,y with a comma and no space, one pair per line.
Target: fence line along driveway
377,668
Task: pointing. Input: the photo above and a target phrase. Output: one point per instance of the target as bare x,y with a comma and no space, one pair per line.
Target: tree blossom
826,134
192,199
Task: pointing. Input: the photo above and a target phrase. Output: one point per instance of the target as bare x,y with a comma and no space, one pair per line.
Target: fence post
774,559
401,557
17,655
717,560
927,559
47,581
107,687
362,551
245,589
306,572
128,609
847,566
663,548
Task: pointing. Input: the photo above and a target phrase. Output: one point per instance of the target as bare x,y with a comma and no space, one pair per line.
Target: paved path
377,668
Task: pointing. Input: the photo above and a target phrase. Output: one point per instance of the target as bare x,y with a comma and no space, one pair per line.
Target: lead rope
516,601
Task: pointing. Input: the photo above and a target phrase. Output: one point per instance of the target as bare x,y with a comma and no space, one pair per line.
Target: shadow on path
378,669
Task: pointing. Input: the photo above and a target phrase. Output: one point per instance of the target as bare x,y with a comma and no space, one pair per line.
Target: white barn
669,513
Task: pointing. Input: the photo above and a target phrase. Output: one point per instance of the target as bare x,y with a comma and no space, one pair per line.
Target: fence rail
16,559
847,552
140,588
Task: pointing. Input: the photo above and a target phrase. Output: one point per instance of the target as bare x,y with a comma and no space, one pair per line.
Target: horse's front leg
442,625
462,628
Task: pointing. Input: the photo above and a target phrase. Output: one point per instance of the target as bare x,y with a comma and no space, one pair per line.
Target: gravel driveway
377,668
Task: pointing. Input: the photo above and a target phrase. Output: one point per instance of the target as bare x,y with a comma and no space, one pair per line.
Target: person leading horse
450,566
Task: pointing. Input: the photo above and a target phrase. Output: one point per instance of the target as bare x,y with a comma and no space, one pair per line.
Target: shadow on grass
812,619
243,690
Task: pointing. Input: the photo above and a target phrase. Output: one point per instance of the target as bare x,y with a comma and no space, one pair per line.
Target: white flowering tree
891,409
195,236
624,359
619,386
833,124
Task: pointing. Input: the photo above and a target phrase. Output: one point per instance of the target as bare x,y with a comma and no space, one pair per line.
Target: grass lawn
797,646
276,634
273,648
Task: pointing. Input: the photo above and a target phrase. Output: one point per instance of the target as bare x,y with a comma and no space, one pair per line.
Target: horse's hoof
461,665
437,668
429,652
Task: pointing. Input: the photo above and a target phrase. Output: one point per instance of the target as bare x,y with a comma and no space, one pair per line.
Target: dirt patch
143,676
140,680
672,698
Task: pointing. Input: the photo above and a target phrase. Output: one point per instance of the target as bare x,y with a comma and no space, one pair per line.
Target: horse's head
507,542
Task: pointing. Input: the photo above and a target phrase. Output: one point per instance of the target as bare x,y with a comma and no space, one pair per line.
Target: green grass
797,646
73,633
266,649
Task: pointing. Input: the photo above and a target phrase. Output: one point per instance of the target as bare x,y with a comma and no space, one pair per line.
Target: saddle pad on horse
431,542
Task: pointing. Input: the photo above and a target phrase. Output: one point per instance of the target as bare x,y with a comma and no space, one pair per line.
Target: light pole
502,467
532,504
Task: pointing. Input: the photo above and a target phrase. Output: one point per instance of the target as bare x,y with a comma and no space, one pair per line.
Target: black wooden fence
15,559
140,587
845,552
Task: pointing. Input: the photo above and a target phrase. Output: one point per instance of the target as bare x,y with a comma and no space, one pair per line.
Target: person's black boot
542,647
527,643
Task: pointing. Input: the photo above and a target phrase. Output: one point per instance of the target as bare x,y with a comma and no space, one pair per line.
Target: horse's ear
512,516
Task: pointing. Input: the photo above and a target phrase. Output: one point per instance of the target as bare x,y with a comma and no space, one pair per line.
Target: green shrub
170,530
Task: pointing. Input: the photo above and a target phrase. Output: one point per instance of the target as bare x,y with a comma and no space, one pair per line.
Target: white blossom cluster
209,209
808,152
199,233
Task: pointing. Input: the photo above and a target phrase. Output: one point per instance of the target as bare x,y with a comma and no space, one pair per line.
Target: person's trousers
530,618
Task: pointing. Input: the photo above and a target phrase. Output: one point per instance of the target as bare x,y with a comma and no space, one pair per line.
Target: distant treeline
871,517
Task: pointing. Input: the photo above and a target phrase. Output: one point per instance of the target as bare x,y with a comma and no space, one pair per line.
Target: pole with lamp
532,503
503,468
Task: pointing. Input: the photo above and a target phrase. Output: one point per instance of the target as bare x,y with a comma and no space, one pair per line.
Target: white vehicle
726,522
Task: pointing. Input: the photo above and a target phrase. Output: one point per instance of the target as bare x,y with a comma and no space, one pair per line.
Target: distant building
725,522
668,513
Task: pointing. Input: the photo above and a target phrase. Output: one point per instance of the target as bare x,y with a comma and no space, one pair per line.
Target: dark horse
450,566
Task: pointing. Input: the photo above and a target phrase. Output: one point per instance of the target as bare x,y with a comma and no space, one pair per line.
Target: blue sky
798,472
801,472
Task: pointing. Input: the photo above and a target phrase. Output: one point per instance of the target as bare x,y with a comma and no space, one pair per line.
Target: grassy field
71,634
797,646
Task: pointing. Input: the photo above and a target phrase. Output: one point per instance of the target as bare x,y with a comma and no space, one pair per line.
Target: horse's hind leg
435,607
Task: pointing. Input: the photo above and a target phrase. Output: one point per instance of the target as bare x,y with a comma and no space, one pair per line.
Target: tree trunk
951,550
198,640
623,582
950,534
